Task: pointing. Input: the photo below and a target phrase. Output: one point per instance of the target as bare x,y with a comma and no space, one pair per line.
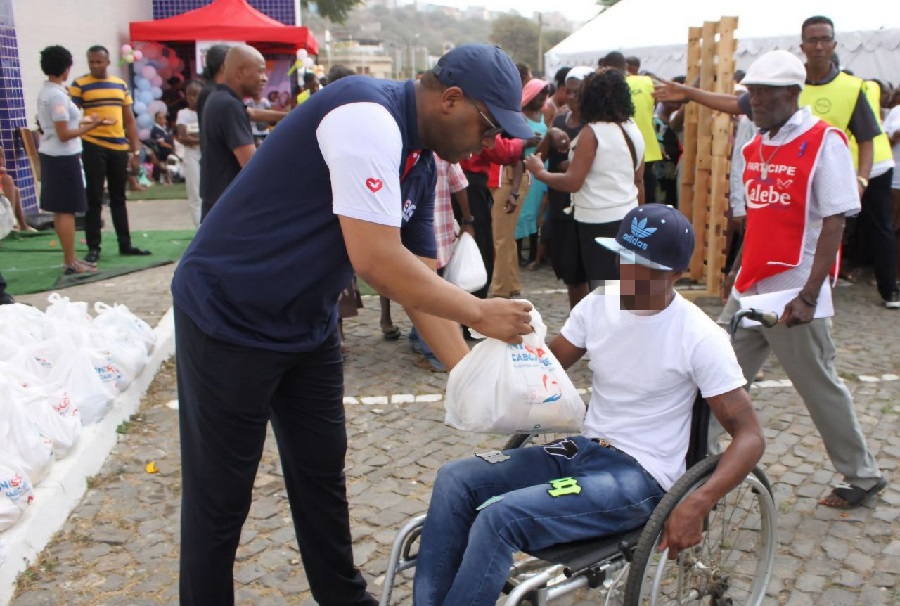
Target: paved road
119,547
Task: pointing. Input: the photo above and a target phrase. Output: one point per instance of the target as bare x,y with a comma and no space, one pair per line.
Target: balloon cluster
154,65
303,63
130,54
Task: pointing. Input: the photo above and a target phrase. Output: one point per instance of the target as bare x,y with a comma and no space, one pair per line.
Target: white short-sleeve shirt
646,373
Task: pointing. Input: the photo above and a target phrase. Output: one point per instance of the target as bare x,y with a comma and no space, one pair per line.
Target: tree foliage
336,10
552,37
517,36
607,3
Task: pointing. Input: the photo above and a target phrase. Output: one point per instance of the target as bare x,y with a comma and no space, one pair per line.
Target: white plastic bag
90,379
20,437
7,220
16,491
51,412
466,267
119,319
502,388
23,316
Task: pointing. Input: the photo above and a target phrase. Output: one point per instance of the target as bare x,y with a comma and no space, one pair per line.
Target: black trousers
649,182
480,202
101,165
227,394
875,225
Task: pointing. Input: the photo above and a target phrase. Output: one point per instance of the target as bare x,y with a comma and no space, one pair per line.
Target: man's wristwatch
136,152
863,181
468,221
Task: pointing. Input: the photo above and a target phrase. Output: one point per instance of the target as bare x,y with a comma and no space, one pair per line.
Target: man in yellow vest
841,100
644,105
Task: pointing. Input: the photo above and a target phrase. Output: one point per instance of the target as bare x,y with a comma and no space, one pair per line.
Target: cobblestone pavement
119,547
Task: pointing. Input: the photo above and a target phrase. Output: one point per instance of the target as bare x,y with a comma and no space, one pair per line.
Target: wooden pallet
706,154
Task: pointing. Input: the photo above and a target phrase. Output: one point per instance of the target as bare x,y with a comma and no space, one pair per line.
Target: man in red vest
800,185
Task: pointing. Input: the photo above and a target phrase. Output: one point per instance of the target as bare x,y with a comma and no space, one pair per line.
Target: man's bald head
240,55
245,70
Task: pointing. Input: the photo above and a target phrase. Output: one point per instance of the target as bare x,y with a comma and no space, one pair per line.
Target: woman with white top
605,169
62,182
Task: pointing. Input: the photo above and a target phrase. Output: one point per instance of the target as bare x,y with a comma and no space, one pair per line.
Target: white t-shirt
609,192
891,126
54,105
646,373
188,118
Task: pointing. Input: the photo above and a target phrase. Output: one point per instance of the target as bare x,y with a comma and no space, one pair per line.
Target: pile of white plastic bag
60,370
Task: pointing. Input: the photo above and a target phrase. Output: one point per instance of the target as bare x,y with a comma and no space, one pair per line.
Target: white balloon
302,54
309,63
156,107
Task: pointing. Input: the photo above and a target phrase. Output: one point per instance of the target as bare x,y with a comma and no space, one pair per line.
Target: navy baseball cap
654,235
486,73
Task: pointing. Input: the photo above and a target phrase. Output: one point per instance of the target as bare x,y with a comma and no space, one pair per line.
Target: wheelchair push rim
732,566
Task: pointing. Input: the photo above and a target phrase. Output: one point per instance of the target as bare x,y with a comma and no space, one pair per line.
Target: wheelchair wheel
732,564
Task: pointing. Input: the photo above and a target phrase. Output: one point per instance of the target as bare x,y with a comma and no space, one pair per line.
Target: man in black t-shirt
226,137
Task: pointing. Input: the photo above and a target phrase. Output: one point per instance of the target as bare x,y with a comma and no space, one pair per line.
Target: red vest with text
777,202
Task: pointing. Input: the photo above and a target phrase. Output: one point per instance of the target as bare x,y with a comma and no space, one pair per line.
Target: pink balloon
144,134
138,55
148,72
156,80
126,48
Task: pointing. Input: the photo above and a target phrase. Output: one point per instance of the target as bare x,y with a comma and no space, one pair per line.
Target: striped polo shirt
105,98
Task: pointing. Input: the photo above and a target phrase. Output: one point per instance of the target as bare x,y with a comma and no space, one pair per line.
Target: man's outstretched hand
504,319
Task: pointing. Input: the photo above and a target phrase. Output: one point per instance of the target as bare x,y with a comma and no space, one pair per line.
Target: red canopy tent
227,20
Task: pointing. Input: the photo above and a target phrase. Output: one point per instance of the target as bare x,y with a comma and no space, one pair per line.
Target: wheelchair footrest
581,555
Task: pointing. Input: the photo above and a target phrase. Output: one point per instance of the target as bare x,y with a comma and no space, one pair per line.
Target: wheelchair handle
766,318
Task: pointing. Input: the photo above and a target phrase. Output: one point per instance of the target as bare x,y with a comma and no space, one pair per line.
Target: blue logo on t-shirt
639,231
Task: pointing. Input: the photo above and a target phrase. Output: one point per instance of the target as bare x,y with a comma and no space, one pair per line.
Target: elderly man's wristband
806,300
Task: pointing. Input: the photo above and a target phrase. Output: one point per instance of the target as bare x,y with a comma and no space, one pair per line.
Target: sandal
79,267
432,365
390,333
848,496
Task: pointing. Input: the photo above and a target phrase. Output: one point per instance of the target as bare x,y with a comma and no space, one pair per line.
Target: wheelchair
731,566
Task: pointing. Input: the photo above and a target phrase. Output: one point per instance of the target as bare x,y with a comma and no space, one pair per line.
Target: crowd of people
377,179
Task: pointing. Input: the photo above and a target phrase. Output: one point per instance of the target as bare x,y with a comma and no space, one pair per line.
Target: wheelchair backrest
697,446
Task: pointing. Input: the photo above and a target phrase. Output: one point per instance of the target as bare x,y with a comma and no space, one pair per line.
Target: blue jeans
539,496
419,344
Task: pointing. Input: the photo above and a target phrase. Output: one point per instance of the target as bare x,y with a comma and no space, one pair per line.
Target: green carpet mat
33,262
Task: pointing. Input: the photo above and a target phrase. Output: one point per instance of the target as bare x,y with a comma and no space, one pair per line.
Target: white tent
868,33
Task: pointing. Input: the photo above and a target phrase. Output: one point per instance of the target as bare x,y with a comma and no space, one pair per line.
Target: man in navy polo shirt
345,183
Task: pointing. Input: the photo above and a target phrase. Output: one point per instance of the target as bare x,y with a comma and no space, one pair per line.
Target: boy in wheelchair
650,351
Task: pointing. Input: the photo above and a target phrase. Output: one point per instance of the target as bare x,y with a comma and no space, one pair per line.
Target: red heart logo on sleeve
373,184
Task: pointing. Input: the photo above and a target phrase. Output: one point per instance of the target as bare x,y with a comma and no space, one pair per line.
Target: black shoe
92,256
134,251
6,299
893,302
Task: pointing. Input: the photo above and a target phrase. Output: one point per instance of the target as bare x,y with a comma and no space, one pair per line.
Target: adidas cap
654,235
